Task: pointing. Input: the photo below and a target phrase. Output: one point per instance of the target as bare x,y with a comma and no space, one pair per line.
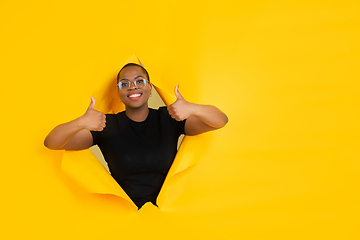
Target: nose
132,85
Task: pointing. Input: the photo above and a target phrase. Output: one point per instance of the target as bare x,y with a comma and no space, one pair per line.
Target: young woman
139,144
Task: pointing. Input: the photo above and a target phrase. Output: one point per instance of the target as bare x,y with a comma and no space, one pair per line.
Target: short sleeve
179,125
96,137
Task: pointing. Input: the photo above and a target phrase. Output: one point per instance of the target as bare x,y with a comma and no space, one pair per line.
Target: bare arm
200,118
75,135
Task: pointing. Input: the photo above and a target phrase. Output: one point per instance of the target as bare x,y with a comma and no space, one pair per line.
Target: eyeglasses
138,83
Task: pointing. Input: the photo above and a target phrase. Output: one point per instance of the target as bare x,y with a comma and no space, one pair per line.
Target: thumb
92,103
177,93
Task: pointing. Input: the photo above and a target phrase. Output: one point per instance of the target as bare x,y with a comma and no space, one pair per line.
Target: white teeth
135,95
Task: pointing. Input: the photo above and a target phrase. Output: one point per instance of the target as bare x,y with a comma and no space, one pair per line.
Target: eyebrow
134,78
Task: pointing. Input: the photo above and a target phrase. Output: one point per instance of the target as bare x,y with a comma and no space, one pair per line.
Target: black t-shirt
140,154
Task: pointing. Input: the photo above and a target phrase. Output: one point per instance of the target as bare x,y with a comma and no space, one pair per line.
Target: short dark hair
133,64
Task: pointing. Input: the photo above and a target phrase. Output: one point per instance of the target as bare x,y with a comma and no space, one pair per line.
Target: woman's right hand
93,120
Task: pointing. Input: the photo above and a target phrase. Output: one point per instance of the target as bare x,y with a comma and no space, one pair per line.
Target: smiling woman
140,143
135,96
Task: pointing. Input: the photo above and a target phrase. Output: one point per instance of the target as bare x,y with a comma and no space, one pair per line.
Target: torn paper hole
86,170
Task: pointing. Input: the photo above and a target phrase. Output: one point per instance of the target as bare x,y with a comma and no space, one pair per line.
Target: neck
137,114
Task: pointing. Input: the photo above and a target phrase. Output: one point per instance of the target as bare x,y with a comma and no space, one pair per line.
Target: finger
178,118
170,109
170,106
172,115
92,103
171,112
177,93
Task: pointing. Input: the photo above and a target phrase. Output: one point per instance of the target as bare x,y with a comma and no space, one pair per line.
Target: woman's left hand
180,109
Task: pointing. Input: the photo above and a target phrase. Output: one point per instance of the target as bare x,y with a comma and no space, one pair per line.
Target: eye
124,84
140,81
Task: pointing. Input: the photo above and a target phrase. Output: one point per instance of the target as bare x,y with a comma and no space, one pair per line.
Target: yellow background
285,72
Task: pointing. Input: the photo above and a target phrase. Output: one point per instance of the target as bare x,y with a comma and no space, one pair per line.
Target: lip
134,96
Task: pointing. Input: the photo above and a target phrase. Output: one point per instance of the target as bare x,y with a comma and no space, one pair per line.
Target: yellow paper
286,73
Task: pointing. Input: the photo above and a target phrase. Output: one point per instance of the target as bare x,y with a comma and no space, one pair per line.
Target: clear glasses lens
125,84
140,83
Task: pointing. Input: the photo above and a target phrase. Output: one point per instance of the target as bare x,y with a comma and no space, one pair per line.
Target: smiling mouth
135,96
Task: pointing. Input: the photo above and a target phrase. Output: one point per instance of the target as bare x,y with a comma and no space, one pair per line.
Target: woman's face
134,97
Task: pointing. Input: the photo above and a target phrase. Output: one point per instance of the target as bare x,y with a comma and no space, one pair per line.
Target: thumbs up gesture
180,109
93,120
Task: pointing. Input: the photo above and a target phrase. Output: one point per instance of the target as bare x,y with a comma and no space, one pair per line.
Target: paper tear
86,170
